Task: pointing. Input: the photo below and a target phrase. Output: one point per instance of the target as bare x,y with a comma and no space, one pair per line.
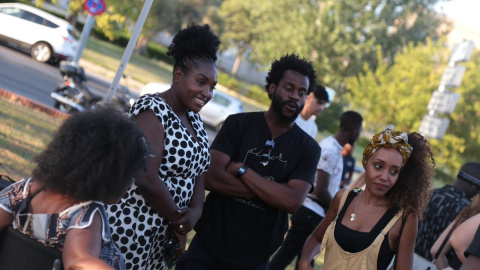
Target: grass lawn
24,133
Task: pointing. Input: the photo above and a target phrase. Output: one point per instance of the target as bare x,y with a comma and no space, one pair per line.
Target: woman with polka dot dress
172,189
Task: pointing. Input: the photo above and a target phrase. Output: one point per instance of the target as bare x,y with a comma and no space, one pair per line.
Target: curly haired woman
91,160
365,229
172,189
452,234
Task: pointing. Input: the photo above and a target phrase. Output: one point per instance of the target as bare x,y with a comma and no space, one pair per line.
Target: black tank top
355,241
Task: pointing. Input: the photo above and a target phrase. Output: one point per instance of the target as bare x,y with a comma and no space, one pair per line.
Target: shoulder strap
387,228
443,243
342,201
404,219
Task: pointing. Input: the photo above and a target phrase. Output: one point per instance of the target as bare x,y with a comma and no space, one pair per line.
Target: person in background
456,237
328,176
91,160
365,229
314,106
172,189
348,165
263,166
472,253
443,207
463,238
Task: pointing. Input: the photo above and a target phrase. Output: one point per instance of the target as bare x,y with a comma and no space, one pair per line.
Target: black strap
7,178
33,195
443,243
398,242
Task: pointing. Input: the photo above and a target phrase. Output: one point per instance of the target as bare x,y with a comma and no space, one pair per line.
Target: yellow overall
337,258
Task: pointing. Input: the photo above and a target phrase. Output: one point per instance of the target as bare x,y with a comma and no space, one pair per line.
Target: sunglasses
265,158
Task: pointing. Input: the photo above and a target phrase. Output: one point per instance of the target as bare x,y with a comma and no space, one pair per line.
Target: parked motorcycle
73,95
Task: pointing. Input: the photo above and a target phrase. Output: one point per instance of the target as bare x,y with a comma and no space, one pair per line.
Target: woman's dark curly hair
92,156
193,43
412,189
291,62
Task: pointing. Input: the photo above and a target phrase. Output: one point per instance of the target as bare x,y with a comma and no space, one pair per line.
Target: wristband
241,171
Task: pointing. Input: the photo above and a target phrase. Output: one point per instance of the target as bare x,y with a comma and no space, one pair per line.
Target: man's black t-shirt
244,232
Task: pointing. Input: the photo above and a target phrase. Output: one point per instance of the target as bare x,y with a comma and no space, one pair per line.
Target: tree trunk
72,18
238,61
141,46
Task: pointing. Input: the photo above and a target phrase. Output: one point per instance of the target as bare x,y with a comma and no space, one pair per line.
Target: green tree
264,29
462,140
338,36
399,94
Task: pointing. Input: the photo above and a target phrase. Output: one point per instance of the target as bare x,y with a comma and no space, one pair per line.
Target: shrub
258,94
159,52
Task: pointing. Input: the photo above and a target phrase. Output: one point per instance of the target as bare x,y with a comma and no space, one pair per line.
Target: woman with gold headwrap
365,229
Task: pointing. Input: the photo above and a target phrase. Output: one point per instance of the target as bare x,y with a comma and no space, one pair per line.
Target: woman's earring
176,81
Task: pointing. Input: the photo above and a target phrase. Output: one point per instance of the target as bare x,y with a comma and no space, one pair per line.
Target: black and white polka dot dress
136,228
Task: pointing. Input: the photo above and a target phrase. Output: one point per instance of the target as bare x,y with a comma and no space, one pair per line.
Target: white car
214,112
45,36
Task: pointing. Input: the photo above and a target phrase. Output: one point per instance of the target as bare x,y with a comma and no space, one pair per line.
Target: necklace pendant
353,217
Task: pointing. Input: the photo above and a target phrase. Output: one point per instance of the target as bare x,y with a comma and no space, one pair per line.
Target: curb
10,96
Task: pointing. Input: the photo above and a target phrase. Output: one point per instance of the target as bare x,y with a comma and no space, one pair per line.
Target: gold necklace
353,216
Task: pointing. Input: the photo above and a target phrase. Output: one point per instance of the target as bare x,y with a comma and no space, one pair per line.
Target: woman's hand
187,220
182,242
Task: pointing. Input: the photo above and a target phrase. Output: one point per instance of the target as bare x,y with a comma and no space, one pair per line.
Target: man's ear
271,89
309,97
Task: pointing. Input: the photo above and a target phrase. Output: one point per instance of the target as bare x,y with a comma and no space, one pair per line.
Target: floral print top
51,229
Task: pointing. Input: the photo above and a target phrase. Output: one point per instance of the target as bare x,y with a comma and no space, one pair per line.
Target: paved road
20,74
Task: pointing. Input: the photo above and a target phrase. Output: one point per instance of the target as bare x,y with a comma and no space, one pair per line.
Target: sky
464,10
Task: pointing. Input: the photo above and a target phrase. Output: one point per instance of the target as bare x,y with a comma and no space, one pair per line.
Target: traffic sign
433,127
94,7
453,76
443,102
462,52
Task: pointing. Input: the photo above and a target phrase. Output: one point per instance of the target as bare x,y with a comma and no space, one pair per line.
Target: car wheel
41,52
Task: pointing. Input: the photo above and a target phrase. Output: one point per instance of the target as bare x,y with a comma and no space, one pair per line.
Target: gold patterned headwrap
389,138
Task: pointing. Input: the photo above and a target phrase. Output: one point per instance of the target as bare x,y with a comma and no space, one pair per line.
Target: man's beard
278,105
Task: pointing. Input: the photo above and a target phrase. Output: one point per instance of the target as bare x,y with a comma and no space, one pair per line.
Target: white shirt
331,162
309,125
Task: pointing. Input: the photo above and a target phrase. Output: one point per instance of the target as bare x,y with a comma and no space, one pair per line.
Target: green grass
24,133
139,68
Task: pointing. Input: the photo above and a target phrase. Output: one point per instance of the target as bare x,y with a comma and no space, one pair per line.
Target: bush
258,94
159,52
222,77
121,41
329,119
444,177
